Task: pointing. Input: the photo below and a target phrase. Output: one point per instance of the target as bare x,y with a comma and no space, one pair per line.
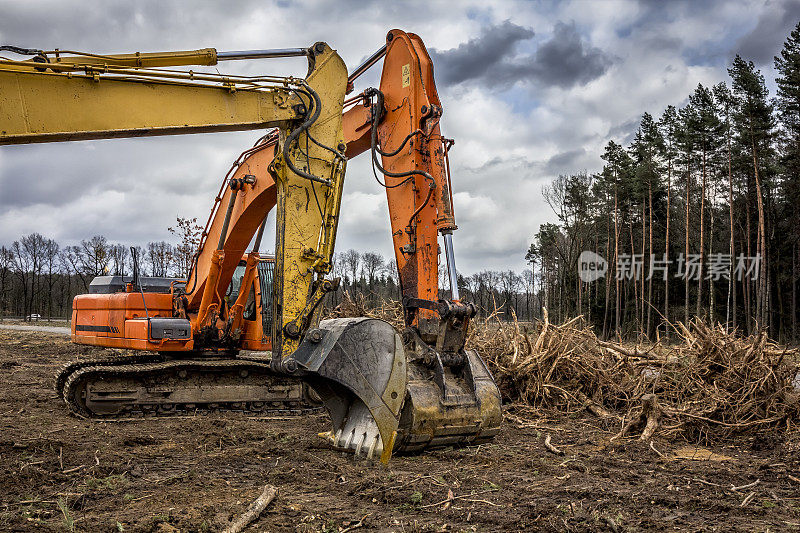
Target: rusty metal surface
308,210
461,408
384,398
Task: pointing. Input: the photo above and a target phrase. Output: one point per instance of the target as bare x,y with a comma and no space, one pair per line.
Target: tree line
697,216
370,276
39,276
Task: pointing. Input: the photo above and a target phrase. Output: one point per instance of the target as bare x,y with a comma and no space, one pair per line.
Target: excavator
387,392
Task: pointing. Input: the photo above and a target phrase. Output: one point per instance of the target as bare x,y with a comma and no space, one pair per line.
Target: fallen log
254,511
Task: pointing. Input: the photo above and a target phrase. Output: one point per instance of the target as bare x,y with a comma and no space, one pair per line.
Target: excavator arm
404,393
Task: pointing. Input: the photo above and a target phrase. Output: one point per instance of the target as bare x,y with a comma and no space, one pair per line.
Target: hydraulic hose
377,108
312,117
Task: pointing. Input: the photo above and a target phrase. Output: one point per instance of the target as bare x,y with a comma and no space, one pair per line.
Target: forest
697,216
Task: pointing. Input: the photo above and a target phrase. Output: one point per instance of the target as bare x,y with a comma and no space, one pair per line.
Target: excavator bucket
381,403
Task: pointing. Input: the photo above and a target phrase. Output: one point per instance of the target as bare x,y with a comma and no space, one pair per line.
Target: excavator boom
75,97
420,388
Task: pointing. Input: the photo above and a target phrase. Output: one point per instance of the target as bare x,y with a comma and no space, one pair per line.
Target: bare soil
196,473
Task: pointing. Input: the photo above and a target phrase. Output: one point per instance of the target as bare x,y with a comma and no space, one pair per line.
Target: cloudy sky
529,89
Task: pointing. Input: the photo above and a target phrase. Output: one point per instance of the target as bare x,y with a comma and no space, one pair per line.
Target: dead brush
709,385
388,310
564,367
722,384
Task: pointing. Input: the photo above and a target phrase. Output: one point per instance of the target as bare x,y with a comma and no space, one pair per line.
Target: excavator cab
257,314
250,311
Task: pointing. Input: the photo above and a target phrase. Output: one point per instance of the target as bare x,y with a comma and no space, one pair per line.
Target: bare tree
188,232
6,266
119,259
159,255
51,271
29,258
351,260
94,256
372,264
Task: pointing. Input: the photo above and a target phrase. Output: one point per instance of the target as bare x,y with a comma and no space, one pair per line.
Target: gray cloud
564,162
625,132
72,170
564,60
481,57
766,39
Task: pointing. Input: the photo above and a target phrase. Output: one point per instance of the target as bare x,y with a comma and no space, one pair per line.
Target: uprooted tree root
707,385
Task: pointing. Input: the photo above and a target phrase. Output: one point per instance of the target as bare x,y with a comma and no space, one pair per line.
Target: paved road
45,329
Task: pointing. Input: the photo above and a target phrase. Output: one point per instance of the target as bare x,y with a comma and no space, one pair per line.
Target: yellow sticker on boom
406,75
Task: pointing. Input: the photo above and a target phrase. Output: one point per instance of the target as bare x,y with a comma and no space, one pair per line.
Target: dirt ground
195,473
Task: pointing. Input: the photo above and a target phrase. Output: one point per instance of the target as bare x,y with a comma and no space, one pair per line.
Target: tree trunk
731,305
616,256
642,326
698,308
635,281
711,198
762,237
794,292
666,249
608,281
650,280
686,248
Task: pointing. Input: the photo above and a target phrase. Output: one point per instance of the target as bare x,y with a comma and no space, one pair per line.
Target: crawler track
146,385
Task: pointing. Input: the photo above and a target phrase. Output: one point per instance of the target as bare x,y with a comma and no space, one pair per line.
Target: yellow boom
62,97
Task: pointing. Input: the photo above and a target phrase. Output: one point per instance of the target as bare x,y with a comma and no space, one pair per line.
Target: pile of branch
725,383
391,311
710,384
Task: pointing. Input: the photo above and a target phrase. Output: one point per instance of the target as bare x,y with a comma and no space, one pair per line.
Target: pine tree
725,102
788,103
616,170
646,147
705,128
754,122
668,125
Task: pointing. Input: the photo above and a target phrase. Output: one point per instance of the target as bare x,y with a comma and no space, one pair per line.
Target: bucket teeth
373,447
361,444
367,444
358,434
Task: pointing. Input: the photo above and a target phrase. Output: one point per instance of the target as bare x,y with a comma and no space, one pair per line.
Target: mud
195,473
